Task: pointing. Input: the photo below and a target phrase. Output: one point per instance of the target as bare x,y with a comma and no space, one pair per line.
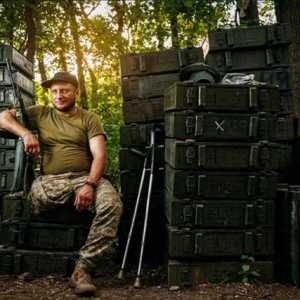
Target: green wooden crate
143,110
130,181
248,59
186,184
254,36
210,126
219,213
129,160
7,98
197,243
36,262
23,82
18,60
186,274
147,86
222,97
139,134
226,156
159,62
44,236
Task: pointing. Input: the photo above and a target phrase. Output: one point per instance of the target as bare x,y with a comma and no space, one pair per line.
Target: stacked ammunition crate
22,74
144,80
222,156
261,50
43,244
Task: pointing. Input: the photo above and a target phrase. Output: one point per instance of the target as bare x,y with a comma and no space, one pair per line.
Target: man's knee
112,202
108,198
37,193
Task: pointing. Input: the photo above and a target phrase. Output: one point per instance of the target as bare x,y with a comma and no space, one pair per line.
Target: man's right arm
8,122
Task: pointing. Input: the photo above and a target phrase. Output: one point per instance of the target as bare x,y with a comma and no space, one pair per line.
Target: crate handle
253,157
253,97
269,57
249,243
202,96
188,214
253,126
201,156
142,63
199,125
251,185
228,59
199,214
249,215
198,243
201,184
190,155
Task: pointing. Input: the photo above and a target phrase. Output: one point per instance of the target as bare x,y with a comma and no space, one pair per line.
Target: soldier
72,146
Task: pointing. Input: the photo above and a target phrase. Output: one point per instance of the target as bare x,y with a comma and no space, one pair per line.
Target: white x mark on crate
219,125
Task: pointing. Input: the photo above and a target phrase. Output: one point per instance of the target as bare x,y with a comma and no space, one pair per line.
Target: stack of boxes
222,154
47,243
144,80
42,244
261,50
23,75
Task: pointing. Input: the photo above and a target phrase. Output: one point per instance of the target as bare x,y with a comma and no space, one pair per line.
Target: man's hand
84,198
31,144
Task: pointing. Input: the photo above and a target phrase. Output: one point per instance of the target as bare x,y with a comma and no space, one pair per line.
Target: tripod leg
137,283
121,272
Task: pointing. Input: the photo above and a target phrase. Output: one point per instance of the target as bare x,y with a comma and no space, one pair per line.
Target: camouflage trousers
52,191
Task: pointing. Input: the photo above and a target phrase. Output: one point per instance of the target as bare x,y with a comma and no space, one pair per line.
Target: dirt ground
24,287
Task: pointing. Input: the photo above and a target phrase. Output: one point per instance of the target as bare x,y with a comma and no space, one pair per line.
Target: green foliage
149,21
247,273
42,97
109,108
266,11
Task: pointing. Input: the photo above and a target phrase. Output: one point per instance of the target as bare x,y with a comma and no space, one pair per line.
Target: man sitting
71,144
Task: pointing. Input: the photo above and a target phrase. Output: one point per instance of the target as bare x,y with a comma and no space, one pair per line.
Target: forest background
87,37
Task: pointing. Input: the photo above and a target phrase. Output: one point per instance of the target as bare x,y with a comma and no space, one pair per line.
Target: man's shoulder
88,115
86,112
37,110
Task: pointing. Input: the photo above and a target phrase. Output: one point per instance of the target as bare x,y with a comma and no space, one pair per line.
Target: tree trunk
62,60
159,29
94,87
31,30
41,65
248,12
39,50
70,10
288,11
174,30
61,46
120,8
10,11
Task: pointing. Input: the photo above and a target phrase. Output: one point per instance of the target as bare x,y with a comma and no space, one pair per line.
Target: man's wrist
91,183
24,134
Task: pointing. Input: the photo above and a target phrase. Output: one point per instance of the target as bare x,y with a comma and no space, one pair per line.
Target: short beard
65,109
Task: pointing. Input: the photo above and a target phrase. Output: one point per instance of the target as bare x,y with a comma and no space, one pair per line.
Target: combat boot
82,282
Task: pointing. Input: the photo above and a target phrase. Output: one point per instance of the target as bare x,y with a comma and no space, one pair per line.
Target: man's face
63,95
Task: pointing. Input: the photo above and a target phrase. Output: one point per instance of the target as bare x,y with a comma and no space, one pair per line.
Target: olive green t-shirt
64,141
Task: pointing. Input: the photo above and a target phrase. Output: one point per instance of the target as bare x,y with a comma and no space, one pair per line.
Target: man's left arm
86,195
